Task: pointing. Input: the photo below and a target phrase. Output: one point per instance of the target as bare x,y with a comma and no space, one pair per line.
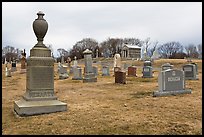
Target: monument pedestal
27,108
89,77
168,93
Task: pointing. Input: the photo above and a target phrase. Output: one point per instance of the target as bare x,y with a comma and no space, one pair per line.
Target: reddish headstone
120,77
132,71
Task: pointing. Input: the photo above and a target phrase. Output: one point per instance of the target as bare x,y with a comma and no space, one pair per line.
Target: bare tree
191,51
168,50
199,48
150,51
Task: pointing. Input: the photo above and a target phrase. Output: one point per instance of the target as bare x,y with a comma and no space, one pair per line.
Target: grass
106,108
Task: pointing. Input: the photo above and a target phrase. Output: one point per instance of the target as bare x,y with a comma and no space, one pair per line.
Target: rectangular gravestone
95,70
63,74
105,71
190,72
132,71
147,72
77,73
120,77
166,66
171,82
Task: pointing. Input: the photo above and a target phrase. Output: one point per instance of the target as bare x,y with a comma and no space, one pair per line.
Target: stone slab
169,93
28,108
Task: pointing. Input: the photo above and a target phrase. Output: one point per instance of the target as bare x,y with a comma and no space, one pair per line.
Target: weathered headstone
190,72
89,75
120,77
196,65
117,61
147,72
105,71
171,82
40,97
166,66
132,71
75,62
77,73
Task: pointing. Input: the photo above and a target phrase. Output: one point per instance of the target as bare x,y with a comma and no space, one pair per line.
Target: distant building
131,51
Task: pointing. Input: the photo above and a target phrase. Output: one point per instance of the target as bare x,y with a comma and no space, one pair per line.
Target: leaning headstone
105,71
166,66
190,72
120,77
13,66
171,82
147,72
77,73
89,75
132,71
40,97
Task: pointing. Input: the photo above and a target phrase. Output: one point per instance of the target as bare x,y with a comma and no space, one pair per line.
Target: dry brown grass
108,108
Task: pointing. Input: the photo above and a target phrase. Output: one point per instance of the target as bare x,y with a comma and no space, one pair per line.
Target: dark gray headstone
190,72
147,72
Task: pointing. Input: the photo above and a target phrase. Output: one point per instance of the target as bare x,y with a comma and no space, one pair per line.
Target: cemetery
106,107
114,96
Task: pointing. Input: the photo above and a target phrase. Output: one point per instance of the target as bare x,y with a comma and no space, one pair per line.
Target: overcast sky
69,22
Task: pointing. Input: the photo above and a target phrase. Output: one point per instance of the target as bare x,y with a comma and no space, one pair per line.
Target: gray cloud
70,22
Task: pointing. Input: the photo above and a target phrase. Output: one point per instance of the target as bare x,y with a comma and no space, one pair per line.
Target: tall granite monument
89,75
39,97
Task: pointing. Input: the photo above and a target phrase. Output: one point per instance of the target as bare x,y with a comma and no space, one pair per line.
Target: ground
107,108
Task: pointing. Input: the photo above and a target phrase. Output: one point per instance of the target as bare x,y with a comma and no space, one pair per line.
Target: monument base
191,78
168,93
28,108
76,78
147,76
63,76
105,74
89,77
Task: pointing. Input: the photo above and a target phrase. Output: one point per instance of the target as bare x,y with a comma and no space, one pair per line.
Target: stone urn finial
40,27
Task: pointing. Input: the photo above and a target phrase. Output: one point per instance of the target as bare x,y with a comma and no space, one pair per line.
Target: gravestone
120,77
171,82
196,65
77,73
117,61
147,63
147,72
95,71
63,74
190,72
39,97
62,59
166,66
23,62
105,71
89,75
13,66
132,71
8,71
